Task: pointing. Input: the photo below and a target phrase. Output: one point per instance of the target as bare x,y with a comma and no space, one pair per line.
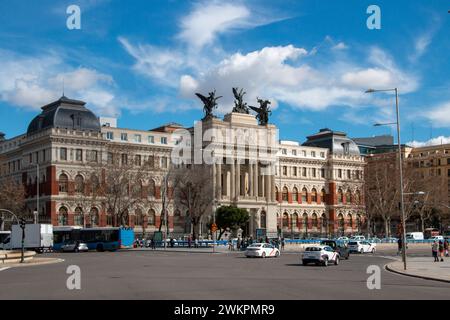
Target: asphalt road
183,275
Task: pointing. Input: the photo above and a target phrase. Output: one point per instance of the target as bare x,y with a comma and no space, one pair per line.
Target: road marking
5,268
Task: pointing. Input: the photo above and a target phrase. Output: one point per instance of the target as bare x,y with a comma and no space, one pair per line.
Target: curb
388,268
39,263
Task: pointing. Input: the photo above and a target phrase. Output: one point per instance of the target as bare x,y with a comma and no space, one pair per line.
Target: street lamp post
400,165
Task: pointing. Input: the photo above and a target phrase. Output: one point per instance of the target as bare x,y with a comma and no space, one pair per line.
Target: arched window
350,220
341,222
314,220
109,218
63,216
340,196
295,194
285,194
294,220
263,221
151,188
304,195
139,218
63,183
348,196
78,218
95,183
314,195
94,217
324,222
322,195
358,222
285,220
79,184
151,217
305,222
357,197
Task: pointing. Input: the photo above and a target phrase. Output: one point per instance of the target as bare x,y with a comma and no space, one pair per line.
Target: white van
414,236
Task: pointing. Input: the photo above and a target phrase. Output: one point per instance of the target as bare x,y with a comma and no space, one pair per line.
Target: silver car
74,246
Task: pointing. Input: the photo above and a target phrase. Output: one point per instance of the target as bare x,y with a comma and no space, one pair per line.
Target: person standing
446,247
441,250
189,242
434,250
282,244
400,245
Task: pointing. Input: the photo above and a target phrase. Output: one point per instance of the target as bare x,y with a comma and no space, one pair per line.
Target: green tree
230,217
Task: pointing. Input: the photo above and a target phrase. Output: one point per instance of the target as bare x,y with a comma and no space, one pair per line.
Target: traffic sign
213,227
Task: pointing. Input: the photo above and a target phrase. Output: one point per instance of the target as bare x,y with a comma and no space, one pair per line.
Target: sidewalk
33,262
421,267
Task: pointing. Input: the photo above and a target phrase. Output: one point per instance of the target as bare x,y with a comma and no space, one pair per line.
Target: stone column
250,180
238,178
255,180
263,188
219,180
233,179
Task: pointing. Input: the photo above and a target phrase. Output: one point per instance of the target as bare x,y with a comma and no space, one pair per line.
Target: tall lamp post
400,166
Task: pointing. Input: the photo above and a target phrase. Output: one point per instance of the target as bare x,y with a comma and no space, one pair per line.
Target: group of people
438,250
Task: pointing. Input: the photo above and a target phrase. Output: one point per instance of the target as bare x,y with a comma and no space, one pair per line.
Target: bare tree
12,197
194,192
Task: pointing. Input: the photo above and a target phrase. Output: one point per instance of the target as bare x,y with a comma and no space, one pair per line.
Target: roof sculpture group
210,103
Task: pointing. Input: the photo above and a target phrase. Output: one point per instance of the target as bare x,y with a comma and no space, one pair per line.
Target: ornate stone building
312,189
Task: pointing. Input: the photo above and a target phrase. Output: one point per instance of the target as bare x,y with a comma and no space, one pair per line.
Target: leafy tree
230,217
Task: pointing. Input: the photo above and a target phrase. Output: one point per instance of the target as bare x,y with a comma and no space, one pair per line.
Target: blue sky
144,60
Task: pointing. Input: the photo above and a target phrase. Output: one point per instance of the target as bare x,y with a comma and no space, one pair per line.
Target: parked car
345,239
338,246
357,238
74,246
261,250
320,255
414,236
362,246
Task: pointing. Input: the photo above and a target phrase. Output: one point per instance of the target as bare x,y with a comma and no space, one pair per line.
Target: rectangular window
322,154
78,155
284,170
151,139
284,151
294,152
349,174
124,159
163,162
313,154
304,153
137,138
163,140
63,154
294,171
110,158
314,172
93,156
322,173
339,173
151,161
304,172
448,160
124,136
110,135
137,160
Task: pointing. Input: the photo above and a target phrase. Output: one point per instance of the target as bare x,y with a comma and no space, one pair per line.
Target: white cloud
281,74
154,62
340,46
31,82
432,142
439,115
201,26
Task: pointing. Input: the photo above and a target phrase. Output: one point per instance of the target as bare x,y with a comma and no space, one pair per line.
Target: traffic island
14,256
424,268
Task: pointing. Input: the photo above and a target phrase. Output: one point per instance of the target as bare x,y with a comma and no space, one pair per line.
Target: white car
345,239
437,238
320,255
261,250
357,238
362,246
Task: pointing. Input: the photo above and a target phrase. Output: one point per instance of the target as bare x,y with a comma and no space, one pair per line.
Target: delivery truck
38,237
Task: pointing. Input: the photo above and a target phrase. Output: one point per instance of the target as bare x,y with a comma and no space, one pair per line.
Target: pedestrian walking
400,245
446,247
282,244
196,242
238,244
434,250
189,241
441,251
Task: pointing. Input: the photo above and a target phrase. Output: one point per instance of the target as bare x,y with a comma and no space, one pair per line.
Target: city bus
100,239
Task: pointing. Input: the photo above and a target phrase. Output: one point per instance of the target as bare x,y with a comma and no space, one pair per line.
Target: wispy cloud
439,115
432,142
